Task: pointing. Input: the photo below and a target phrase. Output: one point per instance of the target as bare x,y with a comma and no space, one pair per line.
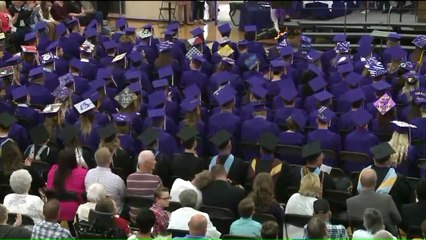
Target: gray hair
373,220
383,234
188,198
95,192
20,181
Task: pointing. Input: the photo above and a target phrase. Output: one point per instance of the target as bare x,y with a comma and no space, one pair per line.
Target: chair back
354,161
178,233
289,153
421,163
330,158
249,150
356,224
263,217
4,190
217,212
414,232
40,166
138,201
337,200
296,220
173,206
26,220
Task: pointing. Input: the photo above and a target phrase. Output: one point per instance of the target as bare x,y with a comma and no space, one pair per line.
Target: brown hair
11,157
105,205
159,190
263,191
246,207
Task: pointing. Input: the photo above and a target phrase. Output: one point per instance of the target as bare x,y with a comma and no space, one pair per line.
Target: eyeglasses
166,198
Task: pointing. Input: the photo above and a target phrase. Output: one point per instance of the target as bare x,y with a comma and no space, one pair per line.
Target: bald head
383,235
146,161
103,157
197,225
368,178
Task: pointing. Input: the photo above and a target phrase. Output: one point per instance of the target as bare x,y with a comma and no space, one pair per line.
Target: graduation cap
339,38
72,22
381,85
160,83
221,137
157,98
19,92
52,46
352,78
250,28
108,132
2,36
258,91
169,33
375,67
76,63
121,118
397,53
149,136
365,50
286,51
6,71
311,149
317,83
157,113
52,108
384,104
407,65
125,97
288,94
91,93
174,26
224,28
6,119
145,33
225,51
345,68
121,23
228,60
255,80
14,59
394,36
195,41
87,47
361,117
403,127
187,133
135,57
35,72
197,31
313,55
192,52
268,141
164,46
119,57
66,79
243,42
299,119
29,49
251,62
47,58
60,30
90,32
39,134
198,58
165,72
30,36
135,87
325,114
419,96
225,95
323,96
342,47
189,104
355,95
92,24
97,83
132,74
84,106
191,91
382,150
130,30
224,40
68,133
365,40
419,41
411,77
109,45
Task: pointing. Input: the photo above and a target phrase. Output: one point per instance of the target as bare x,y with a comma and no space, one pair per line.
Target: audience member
246,226
413,214
317,229
144,222
49,228
200,181
369,198
20,201
113,184
197,226
180,217
21,19
269,230
95,192
161,201
107,205
384,235
59,12
373,222
11,231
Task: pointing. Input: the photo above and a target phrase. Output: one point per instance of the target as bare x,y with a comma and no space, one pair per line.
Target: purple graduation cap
313,55
165,71
381,86
19,92
342,47
76,63
325,114
91,94
135,87
197,31
156,99
228,60
169,33
255,80
135,57
317,83
66,79
299,119
288,94
40,26
259,106
251,62
419,41
130,30
173,27
52,46
36,72
345,68
365,50
224,28
242,43
165,45
109,45
397,53
47,58
191,91
160,83
104,73
121,23
275,64
250,28
156,113
90,32
224,95
393,36
198,58
286,51
419,97
361,117
384,104
30,36
323,96
365,40
97,83
147,26
61,92
132,74
72,22
258,91
121,118
92,24
189,104
339,38
407,65
352,78
355,95
411,77
60,30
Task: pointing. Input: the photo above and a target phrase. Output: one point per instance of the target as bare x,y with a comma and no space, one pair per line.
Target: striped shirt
143,184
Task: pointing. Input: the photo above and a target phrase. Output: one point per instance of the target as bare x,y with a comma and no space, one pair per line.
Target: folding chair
167,6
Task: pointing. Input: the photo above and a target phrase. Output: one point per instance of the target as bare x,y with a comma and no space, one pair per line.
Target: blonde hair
111,145
2,5
400,143
263,191
85,125
310,185
408,88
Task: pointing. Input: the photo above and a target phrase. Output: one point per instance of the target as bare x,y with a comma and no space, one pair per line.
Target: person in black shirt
23,21
8,231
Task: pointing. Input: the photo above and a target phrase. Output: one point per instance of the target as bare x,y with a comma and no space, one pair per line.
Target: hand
28,161
31,5
18,220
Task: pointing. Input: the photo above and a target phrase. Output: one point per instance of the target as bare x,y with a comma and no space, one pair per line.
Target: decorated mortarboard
145,33
121,23
121,118
189,104
342,47
192,52
109,45
156,99
342,59
228,60
313,55
30,36
187,133
397,53
47,58
394,36
419,41
382,150
258,90
225,51
384,104
149,136
34,72
225,94
52,46
243,42
339,38
157,113
381,85
68,133
355,95
19,92
66,79
61,92
6,71
107,132
299,119
252,61
374,67
282,43
317,83
221,137
411,77
39,134
288,94
286,51
84,106
224,40
345,68
160,83
311,149
173,26
250,28
323,96
325,114
419,96
2,36
125,97
29,49
407,65
52,108
119,57
352,78
403,127
60,30
87,47
191,91
165,45
6,119
224,28
268,141
195,41
361,117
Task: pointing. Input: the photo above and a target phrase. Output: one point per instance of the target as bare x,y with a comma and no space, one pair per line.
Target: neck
226,110
144,170
143,235
322,126
221,178
311,165
225,152
368,188
385,164
192,150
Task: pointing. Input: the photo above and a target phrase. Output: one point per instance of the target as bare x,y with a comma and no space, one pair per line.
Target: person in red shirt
5,18
161,202
107,205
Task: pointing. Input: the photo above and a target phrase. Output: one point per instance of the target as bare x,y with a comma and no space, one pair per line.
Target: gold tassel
420,61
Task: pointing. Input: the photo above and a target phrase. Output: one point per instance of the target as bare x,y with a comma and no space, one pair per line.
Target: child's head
246,208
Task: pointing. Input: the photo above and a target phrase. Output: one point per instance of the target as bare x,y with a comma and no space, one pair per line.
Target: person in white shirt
373,223
102,174
200,181
20,201
302,203
95,192
179,218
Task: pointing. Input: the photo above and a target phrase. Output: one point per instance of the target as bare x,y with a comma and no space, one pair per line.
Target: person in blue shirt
246,226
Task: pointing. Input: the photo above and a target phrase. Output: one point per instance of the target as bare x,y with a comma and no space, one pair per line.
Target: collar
193,236
22,105
104,168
